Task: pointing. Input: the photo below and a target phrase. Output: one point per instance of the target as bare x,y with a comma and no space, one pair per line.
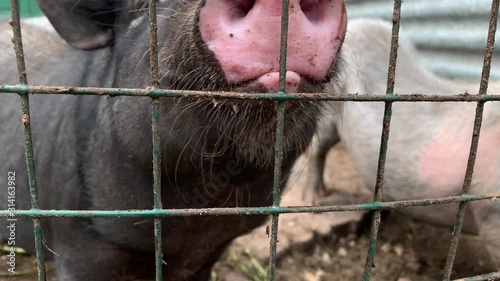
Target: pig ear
84,24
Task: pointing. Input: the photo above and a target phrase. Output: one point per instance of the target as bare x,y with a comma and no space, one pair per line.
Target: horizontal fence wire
28,143
157,93
158,212
484,277
389,205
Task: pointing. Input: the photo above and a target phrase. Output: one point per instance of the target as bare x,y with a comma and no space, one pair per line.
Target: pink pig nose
244,36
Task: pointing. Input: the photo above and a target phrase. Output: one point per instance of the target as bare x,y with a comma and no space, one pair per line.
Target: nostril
242,7
314,9
247,5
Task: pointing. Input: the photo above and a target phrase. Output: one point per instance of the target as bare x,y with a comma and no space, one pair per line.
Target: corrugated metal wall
451,34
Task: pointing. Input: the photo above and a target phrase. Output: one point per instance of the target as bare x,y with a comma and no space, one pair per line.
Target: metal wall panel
451,34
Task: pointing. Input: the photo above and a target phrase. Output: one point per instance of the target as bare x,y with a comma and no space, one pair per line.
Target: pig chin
248,126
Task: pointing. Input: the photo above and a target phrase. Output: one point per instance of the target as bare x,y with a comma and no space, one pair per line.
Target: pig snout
244,37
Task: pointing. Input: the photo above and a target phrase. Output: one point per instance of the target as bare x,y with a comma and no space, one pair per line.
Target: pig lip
306,85
252,108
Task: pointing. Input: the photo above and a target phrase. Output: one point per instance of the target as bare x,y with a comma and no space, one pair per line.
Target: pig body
95,153
429,142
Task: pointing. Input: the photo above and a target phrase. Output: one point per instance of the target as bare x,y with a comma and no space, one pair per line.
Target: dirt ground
327,247
407,250
402,254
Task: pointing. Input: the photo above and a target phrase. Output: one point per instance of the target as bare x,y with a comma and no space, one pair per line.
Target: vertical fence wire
475,140
28,143
155,112
280,125
376,217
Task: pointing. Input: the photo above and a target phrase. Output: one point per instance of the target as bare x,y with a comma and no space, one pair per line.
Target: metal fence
158,212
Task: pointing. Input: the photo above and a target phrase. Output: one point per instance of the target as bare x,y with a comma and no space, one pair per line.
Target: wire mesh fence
158,212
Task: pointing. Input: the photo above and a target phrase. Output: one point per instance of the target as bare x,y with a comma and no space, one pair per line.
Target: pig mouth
298,84
294,83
